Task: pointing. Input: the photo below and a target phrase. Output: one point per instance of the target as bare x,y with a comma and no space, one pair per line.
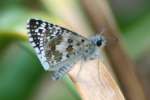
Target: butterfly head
99,40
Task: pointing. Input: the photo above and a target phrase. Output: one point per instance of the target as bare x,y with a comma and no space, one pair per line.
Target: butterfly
58,48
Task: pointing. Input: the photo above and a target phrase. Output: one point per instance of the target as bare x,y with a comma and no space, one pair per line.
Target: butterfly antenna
110,40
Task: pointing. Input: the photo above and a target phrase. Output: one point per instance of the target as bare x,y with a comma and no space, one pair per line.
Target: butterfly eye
99,43
82,40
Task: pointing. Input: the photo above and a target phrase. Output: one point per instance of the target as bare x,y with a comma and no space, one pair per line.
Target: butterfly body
57,48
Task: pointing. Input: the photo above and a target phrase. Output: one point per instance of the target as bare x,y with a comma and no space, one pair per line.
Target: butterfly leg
58,74
80,69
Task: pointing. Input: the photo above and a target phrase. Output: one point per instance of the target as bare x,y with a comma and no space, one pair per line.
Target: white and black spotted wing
36,30
57,48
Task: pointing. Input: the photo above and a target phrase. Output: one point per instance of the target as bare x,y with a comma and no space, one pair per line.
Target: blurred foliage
128,12
133,18
21,71
137,37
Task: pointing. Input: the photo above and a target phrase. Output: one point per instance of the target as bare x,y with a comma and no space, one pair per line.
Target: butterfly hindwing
65,47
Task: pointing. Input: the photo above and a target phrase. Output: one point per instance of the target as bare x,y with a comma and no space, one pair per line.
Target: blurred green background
21,74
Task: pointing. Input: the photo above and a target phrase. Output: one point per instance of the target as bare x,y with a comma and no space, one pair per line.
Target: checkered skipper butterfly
58,49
